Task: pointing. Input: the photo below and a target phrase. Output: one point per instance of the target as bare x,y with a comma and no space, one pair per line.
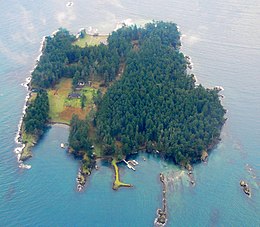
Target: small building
81,83
74,96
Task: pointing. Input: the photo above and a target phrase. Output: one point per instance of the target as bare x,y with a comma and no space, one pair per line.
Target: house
74,96
81,83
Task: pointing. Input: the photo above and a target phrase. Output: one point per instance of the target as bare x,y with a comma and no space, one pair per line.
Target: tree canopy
78,137
155,105
37,114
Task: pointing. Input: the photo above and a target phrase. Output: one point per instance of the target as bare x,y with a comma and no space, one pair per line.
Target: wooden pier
130,164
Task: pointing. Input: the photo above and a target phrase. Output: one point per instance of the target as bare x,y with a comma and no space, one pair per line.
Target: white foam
27,81
220,88
126,22
79,32
54,33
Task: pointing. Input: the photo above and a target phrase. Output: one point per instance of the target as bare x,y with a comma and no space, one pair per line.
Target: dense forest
154,106
62,59
78,137
36,115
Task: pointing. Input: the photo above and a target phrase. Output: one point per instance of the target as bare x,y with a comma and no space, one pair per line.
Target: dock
130,164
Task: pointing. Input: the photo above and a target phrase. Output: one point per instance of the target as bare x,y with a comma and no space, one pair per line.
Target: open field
90,40
62,108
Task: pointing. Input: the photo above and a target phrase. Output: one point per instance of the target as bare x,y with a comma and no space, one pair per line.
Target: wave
220,88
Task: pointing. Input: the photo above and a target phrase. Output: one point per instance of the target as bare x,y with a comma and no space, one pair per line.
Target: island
123,93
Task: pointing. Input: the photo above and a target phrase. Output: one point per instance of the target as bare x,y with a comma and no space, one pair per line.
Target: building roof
74,95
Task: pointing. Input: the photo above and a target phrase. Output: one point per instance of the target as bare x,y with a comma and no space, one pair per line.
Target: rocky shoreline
81,179
23,152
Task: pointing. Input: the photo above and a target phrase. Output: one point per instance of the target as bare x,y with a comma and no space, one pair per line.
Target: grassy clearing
57,98
62,108
90,40
117,183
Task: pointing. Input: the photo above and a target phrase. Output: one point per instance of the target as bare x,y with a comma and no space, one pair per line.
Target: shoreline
58,123
89,32
190,65
18,138
189,62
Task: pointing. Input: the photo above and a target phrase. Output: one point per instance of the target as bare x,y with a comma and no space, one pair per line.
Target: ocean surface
223,39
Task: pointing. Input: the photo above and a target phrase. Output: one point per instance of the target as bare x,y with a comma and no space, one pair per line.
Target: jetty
161,218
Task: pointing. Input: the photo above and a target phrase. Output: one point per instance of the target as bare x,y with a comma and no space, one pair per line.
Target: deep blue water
223,39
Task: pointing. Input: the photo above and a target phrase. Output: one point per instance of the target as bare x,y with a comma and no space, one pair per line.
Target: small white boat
24,166
130,167
62,145
134,161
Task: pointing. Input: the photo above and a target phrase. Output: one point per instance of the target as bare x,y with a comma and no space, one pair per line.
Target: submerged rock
204,156
161,219
189,167
245,187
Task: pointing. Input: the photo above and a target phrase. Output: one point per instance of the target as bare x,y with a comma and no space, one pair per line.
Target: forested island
129,94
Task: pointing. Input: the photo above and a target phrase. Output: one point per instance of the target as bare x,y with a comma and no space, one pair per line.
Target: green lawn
57,99
62,108
90,40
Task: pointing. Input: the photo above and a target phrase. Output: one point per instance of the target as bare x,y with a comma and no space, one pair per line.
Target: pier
130,164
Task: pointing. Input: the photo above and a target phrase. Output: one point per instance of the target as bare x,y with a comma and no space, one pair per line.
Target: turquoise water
223,39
